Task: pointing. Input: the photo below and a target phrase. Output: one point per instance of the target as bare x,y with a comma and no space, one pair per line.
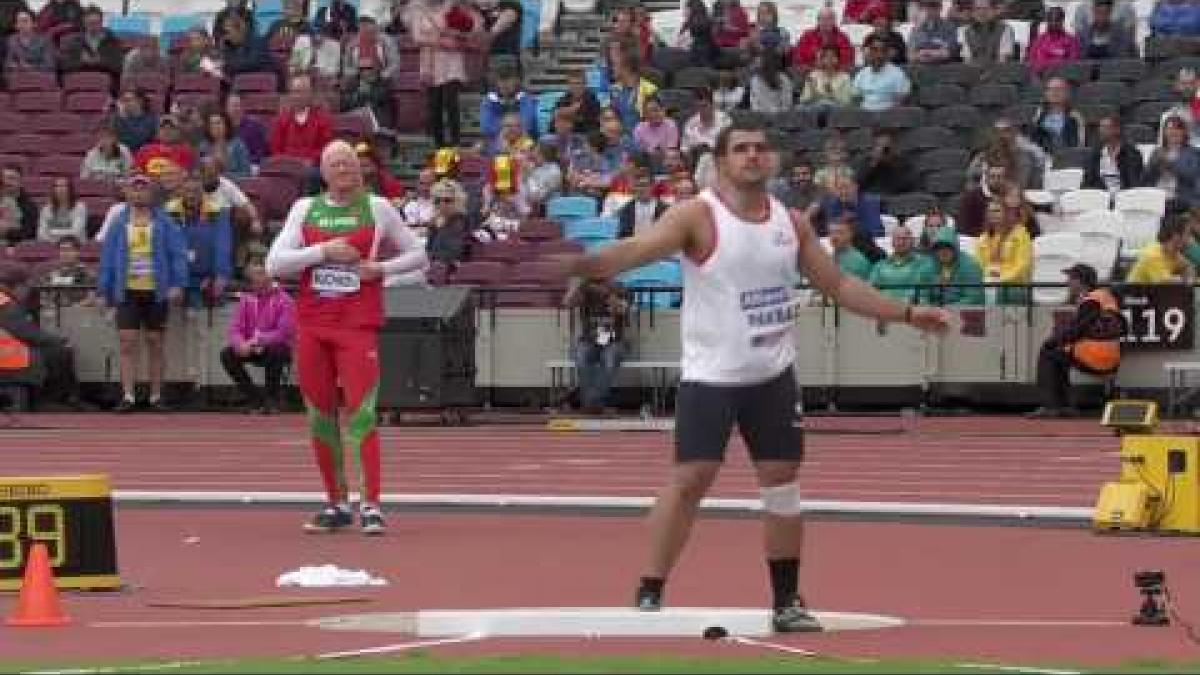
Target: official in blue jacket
143,267
208,233
507,98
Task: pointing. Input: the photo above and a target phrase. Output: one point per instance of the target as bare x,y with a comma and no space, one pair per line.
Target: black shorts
765,415
141,309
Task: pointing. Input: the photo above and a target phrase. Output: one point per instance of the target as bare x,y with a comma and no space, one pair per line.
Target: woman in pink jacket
261,333
1053,45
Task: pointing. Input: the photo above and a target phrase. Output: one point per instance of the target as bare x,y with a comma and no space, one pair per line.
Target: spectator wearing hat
143,267
934,39
168,147
955,275
1101,34
1054,45
1114,165
1090,341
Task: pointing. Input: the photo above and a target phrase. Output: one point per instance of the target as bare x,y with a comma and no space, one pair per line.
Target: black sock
785,580
651,585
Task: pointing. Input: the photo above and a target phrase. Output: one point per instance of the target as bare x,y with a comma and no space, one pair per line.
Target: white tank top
739,304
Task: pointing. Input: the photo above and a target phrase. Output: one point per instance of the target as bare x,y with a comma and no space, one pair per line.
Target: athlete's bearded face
747,159
341,170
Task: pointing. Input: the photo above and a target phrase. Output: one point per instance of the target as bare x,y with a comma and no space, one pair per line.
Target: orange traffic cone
38,606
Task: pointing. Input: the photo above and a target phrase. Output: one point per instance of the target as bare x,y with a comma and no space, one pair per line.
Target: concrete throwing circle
588,622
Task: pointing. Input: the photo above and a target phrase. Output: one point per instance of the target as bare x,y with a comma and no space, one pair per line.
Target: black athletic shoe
126,405
371,521
795,619
648,600
330,519
157,405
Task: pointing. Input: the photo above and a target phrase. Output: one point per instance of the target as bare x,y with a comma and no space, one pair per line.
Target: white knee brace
782,500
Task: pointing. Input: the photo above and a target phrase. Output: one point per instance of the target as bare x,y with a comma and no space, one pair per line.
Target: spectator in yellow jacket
1163,262
1006,253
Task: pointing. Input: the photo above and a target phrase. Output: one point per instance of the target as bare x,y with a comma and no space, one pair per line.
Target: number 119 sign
1158,316
72,516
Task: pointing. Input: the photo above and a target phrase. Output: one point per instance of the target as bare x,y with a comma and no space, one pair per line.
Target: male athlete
331,242
743,254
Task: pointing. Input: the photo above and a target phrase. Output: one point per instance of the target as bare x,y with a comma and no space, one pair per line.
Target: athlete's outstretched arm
853,293
410,256
289,256
669,235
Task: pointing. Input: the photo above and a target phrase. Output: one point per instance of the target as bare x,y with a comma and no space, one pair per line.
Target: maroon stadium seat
540,229
34,252
261,82
195,99
485,273
279,165
77,143
59,123
195,82
31,80
37,101
12,160
502,252
558,246
87,80
37,185
90,187
90,253
89,102
351,125
260,103
57,165
407,80
13,121
23,144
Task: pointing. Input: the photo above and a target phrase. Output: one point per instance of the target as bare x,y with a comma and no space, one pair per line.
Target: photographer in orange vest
1090,342
29,354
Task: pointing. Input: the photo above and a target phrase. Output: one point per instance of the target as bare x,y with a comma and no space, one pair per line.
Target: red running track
977,460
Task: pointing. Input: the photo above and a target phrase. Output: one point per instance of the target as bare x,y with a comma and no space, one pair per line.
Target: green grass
656,665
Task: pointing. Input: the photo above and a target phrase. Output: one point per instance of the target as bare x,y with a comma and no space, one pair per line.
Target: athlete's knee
782,500
692,480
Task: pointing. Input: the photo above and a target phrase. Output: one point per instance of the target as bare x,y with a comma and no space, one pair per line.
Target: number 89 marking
41,523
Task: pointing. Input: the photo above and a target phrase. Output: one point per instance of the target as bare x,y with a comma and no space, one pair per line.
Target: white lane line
1016,623
796,651
1030,670
401,647
193,624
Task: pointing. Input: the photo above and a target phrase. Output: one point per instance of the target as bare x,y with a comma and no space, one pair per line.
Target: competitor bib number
335,280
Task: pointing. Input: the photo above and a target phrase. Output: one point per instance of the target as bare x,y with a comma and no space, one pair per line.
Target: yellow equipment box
1159,487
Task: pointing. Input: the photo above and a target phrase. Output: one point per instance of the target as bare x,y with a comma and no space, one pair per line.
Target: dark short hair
739,125
70,239
1175,225
873,40
93,9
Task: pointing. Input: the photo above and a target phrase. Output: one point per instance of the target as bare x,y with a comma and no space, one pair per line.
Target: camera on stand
1152,585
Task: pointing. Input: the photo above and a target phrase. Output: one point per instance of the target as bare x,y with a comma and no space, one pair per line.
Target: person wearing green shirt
849,259
898,275
949,266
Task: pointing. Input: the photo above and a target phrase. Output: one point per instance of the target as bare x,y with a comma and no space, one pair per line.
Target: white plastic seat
889,223
1141,210
1078,201
1100,249
1062,180
1047,269
1094,221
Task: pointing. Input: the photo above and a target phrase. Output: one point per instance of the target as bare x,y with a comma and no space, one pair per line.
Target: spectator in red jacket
302,128
804,55
863,11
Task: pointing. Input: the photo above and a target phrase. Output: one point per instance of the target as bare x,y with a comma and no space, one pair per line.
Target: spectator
340,16
1163,262
1005,251
798,190
70,279
239,8
135,124
507,98
302,128
1054,45
365,92
1175,17
897,51
199,54
972,206
657,132
1018,210
629,92
541,179
1114,165
987,39
32,348
8,14
249,131
222,193
898,275
731,27
448,231
771,90
643,210
227,148
317,53
26,49
836,165
849,259
376,176
934,39
60,17
18,213
511,138
1121,15
1101,35
729,94
443,63
604,314
592,171
934,220
581,103
371,49
143,265
768,41
1056,124
1174,166
885,170
705,123
190,122
261,333
825,86
881,85
287,29
417,207
958,276
696,34
96,48
63,215
562,135
242,51
143,59
684,189
108,159
846,198
1091,341
1187,92
168,147
1009,147
825,34
209,235
863,11
502,21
